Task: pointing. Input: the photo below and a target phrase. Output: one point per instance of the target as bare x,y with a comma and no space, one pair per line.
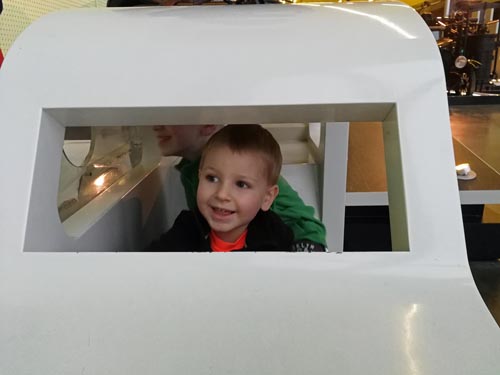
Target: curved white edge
215,79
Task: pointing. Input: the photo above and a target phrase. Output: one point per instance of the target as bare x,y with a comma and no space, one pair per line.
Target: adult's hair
130,3
249,138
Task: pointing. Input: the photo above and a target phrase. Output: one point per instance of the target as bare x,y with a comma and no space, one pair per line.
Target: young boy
187,141
238,174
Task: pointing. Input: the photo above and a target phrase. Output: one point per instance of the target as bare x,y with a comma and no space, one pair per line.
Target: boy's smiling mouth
221,211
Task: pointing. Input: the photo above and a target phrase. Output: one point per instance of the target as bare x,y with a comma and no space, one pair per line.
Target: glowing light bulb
99,181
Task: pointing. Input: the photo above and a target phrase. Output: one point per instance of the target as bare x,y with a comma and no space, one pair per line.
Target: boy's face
181,140
233,188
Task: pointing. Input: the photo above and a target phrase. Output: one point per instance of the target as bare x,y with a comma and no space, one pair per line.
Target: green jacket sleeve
189,178
299,217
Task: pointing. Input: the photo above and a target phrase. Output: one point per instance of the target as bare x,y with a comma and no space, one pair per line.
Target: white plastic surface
393,313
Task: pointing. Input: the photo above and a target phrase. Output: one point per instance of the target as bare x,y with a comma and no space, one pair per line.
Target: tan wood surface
366,166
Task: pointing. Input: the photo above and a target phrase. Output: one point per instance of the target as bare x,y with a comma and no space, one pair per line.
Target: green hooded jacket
288,205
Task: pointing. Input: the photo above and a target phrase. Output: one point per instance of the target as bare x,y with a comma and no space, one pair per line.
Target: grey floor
478,128
487,278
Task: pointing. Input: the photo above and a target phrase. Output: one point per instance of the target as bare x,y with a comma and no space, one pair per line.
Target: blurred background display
93,159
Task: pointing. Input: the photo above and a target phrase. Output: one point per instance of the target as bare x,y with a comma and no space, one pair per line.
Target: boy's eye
211,178
242,184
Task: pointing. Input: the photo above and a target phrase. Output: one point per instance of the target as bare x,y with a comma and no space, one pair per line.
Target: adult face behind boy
233,187
183,140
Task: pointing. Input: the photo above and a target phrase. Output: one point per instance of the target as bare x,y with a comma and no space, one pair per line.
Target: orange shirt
219,246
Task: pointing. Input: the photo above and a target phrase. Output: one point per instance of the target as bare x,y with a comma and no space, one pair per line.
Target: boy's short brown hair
249,138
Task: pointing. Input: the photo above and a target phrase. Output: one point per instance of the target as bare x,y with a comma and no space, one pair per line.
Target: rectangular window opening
113,193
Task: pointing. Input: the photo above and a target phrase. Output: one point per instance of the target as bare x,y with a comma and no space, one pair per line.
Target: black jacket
190,232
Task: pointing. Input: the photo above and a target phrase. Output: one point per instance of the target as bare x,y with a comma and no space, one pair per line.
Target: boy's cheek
203,191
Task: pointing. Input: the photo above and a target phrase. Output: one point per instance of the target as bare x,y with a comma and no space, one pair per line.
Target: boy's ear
271,194
208,130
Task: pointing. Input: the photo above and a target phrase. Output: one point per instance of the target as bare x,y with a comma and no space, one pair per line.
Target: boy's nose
223,192
158,128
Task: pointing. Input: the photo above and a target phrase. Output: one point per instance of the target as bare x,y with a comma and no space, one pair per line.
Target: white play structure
76,297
